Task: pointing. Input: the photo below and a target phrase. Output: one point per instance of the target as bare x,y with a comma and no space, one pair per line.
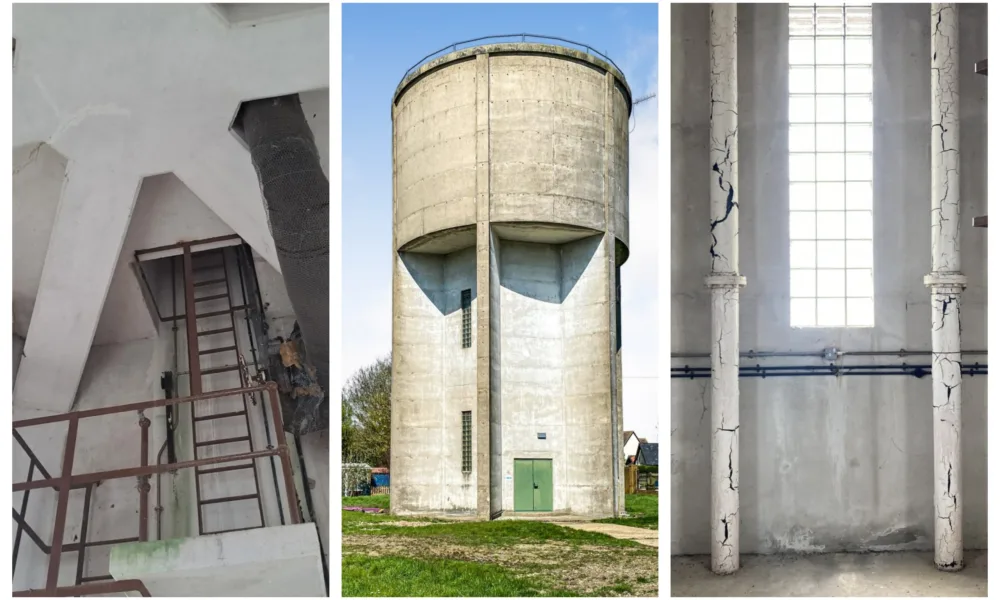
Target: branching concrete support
725,283
946,283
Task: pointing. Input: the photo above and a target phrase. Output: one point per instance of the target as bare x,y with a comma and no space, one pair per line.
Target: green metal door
523,485
543,485
532,485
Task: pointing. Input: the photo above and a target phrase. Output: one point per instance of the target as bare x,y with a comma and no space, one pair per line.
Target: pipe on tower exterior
725,282
946,283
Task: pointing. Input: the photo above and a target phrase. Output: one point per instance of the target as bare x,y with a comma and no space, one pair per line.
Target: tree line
365,422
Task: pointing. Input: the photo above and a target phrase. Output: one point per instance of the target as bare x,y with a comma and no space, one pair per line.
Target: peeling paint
724,282
946,283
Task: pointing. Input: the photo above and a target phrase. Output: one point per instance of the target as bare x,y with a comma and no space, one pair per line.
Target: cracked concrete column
725,283
946,283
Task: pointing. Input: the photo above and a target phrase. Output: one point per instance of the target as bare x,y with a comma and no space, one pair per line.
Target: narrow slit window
467,441
466,318
830,144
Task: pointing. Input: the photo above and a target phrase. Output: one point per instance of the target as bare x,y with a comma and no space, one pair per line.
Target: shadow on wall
443,277
545,272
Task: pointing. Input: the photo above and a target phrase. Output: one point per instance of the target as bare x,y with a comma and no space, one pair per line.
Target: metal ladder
214,277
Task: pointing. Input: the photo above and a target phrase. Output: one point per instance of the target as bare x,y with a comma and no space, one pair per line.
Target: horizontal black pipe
917,371
822,354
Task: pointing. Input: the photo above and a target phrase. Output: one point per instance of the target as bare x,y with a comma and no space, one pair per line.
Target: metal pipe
725,282
251,333
822,354
143,479
946,283
87,478
194,365
136,406
81,554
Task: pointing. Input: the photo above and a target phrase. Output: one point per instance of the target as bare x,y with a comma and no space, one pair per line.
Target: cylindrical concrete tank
510,222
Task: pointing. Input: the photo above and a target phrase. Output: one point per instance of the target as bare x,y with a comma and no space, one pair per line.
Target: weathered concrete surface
640,535
277,561
857,575
511,181
827,464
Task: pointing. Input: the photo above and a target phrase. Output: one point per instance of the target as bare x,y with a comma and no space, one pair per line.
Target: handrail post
286,460
59,528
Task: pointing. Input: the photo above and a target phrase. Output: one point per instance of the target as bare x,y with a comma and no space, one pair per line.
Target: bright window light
830,143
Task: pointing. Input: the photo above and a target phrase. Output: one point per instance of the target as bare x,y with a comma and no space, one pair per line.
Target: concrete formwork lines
530,177
946,283
483,331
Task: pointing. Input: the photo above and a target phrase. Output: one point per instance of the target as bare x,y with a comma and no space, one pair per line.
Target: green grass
475,533
399,576
486,558
643,511
380,501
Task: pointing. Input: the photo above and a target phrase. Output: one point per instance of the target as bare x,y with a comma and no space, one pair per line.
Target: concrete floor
873,574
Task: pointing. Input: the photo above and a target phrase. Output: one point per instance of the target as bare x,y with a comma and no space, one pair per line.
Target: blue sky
382,41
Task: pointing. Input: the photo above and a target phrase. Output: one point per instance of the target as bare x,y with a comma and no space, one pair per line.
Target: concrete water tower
510,224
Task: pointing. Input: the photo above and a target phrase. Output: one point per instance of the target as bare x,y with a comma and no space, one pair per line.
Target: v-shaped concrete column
946,283
91,222
725,283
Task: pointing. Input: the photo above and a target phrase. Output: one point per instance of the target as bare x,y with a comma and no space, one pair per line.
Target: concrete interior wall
827,464
429,350
554,319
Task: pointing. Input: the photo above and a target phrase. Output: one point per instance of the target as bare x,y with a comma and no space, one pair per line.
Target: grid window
467,441
466,318
830,144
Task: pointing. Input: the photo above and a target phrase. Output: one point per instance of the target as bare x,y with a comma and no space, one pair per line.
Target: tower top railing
510,37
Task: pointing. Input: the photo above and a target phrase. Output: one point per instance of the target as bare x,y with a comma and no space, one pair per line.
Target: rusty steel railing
67,481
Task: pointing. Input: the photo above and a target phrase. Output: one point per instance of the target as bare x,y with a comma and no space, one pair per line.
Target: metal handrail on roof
524,37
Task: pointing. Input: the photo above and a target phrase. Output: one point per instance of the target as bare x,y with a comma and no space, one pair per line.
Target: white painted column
946,283
725,283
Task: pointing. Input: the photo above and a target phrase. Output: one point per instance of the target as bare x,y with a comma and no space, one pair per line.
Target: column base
950,567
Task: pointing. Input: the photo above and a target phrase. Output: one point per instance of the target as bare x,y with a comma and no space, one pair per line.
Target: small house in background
631,446
380,481
648,454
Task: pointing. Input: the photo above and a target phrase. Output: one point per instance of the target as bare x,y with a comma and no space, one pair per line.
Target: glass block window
466,318
830,143
467,441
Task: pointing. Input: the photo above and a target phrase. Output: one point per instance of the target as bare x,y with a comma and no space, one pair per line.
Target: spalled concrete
510,181
826,464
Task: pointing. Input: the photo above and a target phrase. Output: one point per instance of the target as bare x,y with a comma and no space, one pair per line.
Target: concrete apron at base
946,283
725,282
